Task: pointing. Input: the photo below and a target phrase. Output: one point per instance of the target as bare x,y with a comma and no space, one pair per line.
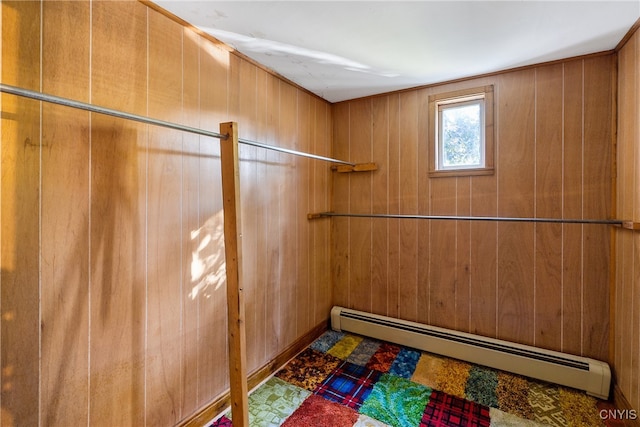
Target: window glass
461,135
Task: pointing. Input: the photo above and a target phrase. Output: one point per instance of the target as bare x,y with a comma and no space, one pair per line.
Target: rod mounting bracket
358,167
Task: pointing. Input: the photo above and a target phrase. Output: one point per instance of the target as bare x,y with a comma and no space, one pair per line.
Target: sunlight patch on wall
208,267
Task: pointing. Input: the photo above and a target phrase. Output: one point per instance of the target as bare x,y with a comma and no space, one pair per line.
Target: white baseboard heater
582,373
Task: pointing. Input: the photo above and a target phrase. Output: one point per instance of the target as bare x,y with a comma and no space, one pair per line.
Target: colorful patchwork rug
344,380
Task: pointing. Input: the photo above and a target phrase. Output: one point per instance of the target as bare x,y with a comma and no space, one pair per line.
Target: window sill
460,172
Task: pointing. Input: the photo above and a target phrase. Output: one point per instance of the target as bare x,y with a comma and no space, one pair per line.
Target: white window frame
445,104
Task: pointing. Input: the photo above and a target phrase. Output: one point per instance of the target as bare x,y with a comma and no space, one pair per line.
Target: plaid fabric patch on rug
319,412
405,364
309,369
384,357
447,410
349,385
396,401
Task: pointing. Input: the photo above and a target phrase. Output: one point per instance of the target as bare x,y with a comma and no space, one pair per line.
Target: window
461,137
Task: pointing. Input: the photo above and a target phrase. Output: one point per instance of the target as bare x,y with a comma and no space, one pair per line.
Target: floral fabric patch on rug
384,357
397,401
309,369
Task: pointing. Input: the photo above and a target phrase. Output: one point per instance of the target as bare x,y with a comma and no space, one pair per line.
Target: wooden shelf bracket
359,167
631,225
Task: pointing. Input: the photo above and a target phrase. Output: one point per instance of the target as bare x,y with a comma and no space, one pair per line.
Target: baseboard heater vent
582,373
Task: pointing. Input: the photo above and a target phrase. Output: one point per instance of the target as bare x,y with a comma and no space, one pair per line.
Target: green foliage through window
461,142
461,136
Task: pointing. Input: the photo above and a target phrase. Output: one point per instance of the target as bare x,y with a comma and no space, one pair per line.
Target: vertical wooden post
233,254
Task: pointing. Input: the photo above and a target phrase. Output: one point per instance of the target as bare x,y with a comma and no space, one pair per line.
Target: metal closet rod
473,218
39,96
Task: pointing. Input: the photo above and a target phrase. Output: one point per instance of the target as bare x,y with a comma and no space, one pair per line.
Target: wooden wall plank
424,207
190,222
462,256
261,200
360,195
597,200
484,257
65,226
442,266
20,149
408,203
515,105
572,234
548,204
303,192
118,205
275,302
634,396
212,360
164,227
117,288
243,88
288,204
340,227
394,197
627,142
380,204
322,202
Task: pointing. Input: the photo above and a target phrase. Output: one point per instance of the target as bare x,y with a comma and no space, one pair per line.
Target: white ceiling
348,49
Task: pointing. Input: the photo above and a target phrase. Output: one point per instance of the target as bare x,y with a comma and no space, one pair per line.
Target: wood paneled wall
627,287
113,300
540,284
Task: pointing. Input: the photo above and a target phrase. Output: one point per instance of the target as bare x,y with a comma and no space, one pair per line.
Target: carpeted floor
348,380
